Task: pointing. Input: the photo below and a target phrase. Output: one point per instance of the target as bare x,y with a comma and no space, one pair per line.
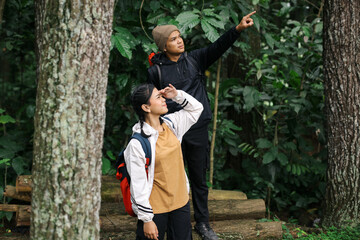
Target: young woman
160,198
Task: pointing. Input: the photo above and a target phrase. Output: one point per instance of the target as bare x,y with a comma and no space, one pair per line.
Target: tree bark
73,46
342,78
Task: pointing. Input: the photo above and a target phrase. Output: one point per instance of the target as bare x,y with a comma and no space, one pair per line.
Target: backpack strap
192,62
195,65
155,73
145,144
173,126
159,76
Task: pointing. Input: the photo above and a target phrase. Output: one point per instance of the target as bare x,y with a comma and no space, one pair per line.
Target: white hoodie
141,185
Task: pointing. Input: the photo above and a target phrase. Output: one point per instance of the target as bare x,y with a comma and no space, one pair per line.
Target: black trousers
195,148
176,224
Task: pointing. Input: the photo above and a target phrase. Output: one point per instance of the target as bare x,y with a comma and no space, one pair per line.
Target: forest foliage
270,140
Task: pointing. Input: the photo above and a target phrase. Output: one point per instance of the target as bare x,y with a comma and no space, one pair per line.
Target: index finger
250,14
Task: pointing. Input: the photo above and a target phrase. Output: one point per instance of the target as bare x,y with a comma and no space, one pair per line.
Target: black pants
176,224
195,148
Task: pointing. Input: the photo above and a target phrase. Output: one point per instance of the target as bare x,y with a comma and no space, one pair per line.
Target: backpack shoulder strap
145,144
173,126
155,72
192,61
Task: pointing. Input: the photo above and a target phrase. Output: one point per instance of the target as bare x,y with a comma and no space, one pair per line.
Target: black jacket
188,72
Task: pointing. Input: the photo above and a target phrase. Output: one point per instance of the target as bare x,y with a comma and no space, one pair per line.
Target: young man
186,72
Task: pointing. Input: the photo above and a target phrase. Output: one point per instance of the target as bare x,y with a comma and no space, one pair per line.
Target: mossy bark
73,47
342,87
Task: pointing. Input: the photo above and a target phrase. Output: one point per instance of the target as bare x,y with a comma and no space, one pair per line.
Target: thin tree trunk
73,47
212,147
342,87
2,6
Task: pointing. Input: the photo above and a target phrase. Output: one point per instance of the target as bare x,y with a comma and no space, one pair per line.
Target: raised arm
190,113
208,55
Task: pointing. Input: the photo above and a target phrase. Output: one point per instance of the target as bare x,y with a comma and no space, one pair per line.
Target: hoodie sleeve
139,187
186,117
208,55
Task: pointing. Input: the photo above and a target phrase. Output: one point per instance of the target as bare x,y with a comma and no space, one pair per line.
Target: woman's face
157,104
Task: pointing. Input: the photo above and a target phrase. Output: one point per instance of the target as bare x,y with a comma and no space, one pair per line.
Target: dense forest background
270,140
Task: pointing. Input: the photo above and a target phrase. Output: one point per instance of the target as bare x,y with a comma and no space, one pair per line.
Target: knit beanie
162,33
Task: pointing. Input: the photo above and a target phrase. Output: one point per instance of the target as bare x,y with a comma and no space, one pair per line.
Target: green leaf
268,158
282,159
319,27
6,119
209,12
269,40
19,165
289,145
210,31
106,166
256,22
5,161
125,34
154,17
263,143
258,74
306,31
154,5
9,46
2,110
9,215
298,170
294,31
121,45
251,97
5,153
234,16
215,22
293,22
187,19
10,145
230,142
110,155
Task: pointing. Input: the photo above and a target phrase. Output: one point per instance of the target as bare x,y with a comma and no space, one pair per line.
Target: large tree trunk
342,88
73,46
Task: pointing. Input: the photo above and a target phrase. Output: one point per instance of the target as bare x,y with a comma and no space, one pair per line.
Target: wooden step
218,209
110,190
228,229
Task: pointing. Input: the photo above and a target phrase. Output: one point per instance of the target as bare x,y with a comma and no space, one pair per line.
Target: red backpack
123,175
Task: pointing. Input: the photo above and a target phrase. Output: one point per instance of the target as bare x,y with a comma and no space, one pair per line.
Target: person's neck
154,122
173,57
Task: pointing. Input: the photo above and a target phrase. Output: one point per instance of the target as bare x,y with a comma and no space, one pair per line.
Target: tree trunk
213,136
342,87
73,47
2,7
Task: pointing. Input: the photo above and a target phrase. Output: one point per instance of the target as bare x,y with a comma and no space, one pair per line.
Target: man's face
175,44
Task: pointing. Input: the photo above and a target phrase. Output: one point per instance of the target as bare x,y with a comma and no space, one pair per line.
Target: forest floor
290,231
